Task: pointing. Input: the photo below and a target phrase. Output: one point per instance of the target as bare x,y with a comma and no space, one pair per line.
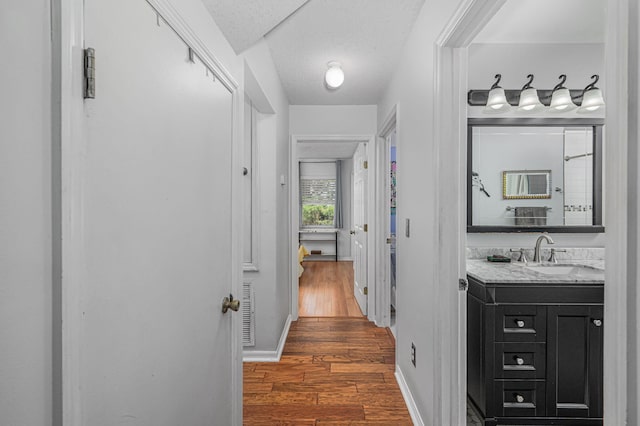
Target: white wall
25,214
633,259
412,90
271,282
332,119
546,62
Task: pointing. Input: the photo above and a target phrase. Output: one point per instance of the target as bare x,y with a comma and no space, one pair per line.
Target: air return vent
248,315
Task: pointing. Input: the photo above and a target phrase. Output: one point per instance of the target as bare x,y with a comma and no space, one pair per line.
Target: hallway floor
326,290
333,371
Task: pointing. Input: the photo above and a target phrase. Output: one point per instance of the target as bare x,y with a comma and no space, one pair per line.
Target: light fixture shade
592,100
529,101
334,77
496,102
561,101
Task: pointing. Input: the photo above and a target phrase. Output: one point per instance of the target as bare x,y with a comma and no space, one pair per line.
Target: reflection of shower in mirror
571,157
478,182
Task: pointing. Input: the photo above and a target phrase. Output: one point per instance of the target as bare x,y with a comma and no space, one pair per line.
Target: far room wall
336,120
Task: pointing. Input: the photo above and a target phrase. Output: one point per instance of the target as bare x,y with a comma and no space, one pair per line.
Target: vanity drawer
520,323
519,398
520,360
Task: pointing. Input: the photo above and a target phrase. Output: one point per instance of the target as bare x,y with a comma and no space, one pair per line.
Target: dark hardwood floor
333,371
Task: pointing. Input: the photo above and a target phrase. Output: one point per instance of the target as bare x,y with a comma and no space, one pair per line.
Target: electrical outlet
413,354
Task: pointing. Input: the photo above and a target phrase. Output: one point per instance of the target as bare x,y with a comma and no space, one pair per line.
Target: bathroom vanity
535,342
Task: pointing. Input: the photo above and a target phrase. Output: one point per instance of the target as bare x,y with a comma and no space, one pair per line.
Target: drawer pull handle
597,322
519,398
519,360
520,323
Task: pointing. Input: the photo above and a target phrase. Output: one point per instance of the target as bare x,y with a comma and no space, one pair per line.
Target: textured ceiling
547,21
366,36
244,22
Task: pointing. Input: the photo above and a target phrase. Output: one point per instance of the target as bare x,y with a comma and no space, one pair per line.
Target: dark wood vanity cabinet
534,353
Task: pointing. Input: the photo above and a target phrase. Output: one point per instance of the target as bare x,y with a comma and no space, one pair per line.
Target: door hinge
365,165
365,291
463,285
365,228
89,73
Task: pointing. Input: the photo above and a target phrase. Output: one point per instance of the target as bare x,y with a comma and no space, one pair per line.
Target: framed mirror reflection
534,175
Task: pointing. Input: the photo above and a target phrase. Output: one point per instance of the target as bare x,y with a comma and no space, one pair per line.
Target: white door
156,348
360,179
390,222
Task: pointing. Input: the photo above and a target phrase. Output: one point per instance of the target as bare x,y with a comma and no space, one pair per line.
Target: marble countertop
516,272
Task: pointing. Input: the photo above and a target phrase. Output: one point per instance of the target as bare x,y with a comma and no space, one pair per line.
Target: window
318,194
318,199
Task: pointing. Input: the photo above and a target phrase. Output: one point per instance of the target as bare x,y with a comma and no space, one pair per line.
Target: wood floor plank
256,387
304,412
367,399
366,422
385,413
278,398
297,422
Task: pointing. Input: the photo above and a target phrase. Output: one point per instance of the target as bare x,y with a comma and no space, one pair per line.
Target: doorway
330,240
325,238
390,148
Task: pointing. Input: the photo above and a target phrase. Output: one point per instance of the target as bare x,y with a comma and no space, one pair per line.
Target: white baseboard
269,356
408,398
345,259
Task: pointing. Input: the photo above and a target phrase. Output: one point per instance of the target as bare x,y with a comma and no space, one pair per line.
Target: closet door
156,347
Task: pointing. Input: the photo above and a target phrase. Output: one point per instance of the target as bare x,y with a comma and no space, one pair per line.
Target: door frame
383,317
67,186
450,83
294,197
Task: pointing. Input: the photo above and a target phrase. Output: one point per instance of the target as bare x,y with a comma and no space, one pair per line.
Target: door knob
520,323
519,361
352,232
519,398
229,303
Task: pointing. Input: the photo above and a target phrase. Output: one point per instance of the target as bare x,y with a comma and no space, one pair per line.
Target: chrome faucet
536,251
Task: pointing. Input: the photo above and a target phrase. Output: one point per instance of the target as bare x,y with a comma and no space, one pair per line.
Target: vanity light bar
530,99
480,97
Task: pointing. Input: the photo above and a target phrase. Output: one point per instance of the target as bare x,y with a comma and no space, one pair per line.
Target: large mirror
531,175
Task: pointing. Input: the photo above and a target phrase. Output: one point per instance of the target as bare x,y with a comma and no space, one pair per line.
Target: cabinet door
574,361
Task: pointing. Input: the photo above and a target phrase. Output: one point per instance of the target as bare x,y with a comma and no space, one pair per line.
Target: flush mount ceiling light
592,99
561,98
334,77
496,100
529,101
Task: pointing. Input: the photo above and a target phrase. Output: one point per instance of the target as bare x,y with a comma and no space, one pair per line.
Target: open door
156,347
360,226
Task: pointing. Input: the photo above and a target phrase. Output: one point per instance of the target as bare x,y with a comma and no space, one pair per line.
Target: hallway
333,371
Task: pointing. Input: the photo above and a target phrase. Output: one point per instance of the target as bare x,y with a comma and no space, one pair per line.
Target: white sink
564,269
